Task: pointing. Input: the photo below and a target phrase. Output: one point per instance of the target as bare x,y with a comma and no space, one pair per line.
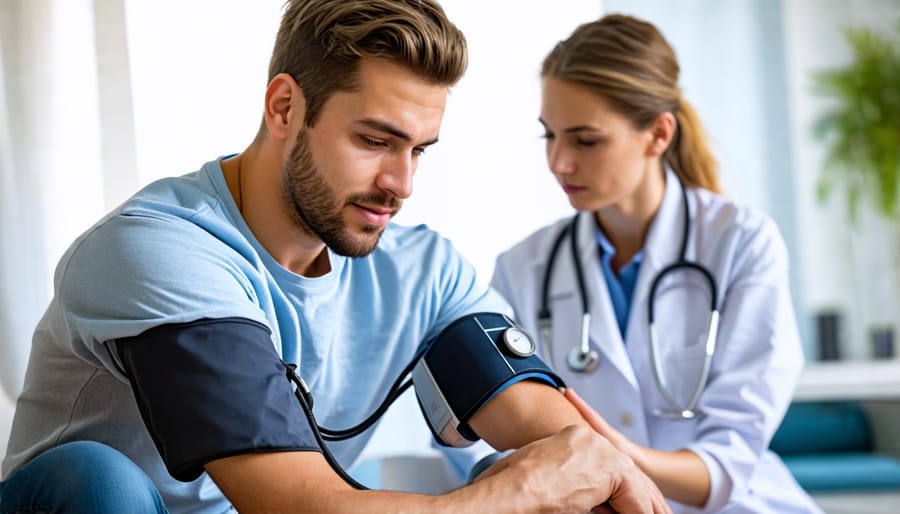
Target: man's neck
254,180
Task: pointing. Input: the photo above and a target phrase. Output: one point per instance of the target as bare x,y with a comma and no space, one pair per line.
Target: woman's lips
571,190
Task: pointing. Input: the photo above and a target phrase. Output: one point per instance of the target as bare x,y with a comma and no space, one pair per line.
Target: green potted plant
861,134
862,131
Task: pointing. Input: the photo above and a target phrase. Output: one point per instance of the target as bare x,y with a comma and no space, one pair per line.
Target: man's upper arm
210,389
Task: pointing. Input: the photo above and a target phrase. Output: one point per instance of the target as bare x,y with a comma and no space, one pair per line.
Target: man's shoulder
188,208
417,249
405,238
172,231
181,195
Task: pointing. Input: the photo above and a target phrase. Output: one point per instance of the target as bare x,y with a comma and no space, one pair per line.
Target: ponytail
689,154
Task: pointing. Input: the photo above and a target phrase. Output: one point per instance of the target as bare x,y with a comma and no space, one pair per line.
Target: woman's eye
586,142
548,136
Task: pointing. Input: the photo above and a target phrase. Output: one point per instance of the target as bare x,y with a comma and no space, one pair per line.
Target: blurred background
800,99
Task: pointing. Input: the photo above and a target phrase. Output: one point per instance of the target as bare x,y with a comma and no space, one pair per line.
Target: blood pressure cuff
468,363
213,388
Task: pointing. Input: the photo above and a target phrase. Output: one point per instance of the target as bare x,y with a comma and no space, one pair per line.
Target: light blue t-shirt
179,251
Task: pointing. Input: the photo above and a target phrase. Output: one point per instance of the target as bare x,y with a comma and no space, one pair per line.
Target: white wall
198,72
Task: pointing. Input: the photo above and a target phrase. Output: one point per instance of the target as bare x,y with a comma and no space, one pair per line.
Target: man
157,376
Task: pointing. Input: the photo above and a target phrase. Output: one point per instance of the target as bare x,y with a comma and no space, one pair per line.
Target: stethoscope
583,359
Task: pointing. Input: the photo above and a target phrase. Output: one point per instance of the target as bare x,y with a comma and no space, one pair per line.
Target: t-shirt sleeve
138,271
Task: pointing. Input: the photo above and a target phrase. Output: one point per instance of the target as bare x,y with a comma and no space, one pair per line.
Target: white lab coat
756,364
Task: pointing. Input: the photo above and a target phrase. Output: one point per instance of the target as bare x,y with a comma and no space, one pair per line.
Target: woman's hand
596,421
681,475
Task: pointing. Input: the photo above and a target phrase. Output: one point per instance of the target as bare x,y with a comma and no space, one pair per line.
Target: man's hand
577,470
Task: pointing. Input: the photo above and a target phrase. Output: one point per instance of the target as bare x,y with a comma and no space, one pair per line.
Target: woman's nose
559,160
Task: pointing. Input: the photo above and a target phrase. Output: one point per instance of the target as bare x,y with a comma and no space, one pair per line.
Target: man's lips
374,214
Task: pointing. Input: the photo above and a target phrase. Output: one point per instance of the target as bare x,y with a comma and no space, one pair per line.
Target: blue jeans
82,476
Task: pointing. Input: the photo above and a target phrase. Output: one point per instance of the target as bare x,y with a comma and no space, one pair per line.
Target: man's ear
284,103
662,131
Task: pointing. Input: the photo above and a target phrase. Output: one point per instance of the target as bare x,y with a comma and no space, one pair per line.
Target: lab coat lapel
661,249
604,332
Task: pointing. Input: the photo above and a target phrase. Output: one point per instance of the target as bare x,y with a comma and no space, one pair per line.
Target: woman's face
596,154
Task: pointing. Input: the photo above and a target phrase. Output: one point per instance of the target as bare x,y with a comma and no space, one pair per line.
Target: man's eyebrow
383,126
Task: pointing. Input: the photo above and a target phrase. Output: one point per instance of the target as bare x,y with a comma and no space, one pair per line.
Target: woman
630,154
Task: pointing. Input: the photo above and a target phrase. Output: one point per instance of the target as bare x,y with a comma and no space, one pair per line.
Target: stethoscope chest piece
580,361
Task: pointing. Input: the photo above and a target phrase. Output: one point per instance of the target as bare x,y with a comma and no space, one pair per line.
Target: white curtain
66,148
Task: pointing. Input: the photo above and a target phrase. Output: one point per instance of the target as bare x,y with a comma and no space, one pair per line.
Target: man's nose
397,175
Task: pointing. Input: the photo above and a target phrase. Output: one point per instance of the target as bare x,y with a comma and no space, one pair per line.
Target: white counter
850,380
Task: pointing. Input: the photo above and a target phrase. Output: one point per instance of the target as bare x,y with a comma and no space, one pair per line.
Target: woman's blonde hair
628,62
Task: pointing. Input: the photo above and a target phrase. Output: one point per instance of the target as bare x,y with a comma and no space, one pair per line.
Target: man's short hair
320,44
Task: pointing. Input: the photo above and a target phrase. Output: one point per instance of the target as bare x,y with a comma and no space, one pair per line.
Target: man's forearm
304,482
558,468
524,412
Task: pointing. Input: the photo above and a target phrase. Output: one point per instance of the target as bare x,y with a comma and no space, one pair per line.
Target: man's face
347,176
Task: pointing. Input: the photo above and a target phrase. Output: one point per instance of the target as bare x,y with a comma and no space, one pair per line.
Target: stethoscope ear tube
675,266
690,410
582,359
712,328
545,323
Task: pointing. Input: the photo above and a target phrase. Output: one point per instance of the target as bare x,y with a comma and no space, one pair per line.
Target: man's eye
372,142
586,142
419,150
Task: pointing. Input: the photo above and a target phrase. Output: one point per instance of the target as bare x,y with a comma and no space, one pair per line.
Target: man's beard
315,208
